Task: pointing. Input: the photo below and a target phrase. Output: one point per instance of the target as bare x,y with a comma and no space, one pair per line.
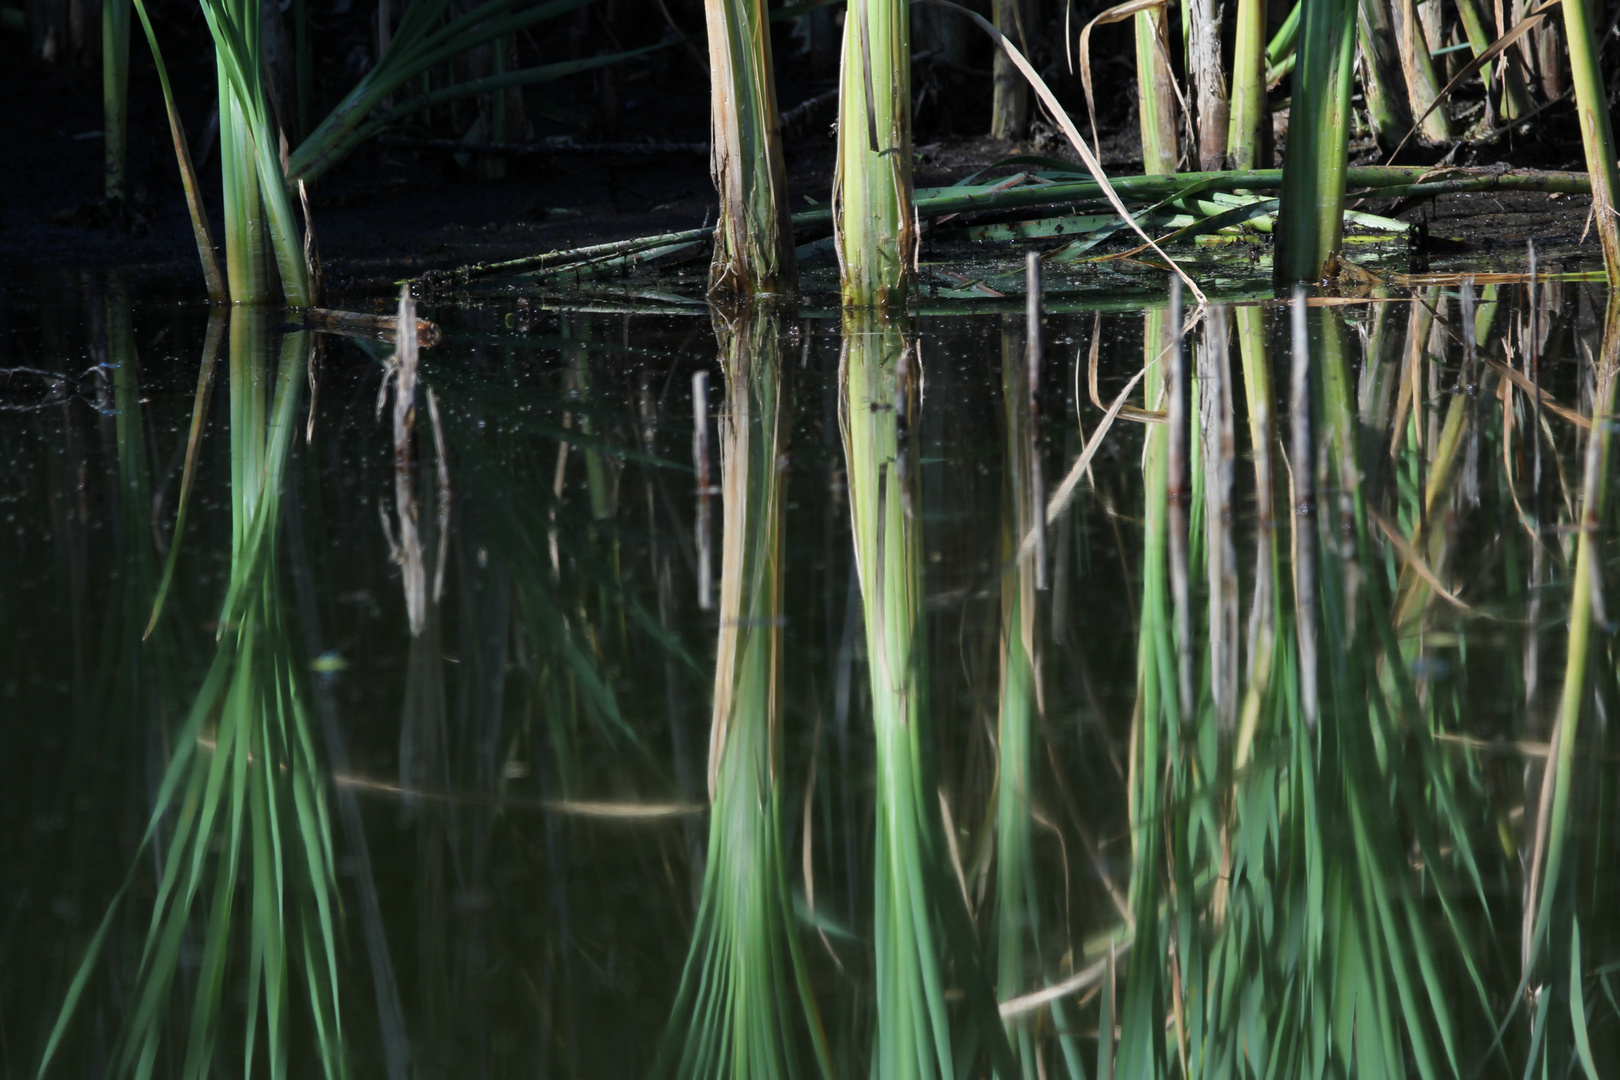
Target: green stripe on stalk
1310,220
873,217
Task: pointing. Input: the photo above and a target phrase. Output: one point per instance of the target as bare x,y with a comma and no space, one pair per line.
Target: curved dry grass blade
1118,13
1093,166
1419,566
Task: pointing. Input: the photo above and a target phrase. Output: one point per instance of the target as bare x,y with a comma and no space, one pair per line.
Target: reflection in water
744,1002
918,910
1325,672
241,804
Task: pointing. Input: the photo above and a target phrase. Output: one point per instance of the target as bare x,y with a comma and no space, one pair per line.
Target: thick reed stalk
1208,82
1381,83
874,223
1248,106
753,240
1422,82
1310,218
1009,105
1597,129
115,92
1155,93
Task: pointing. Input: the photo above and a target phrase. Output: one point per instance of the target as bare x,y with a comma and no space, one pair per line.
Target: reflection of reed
744,997
918,903
251,813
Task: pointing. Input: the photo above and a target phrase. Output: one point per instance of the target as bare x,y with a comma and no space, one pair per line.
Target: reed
115,93
1156,92
1248,101
1009,101
874,222
1310,218
1597,130
262,238
753,239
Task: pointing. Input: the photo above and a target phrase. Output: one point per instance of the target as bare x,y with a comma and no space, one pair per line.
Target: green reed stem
1248,115
1597,129
873,220
115,92
1310,219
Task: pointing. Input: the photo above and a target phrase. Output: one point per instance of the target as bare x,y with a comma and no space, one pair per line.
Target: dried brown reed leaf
1421,568
1547,400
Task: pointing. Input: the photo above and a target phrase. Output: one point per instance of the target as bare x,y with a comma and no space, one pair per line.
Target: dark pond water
902,710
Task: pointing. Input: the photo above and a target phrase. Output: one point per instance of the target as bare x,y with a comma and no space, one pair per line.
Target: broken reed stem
1209,82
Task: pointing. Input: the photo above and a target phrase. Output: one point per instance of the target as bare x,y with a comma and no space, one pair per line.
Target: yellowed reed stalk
753,240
